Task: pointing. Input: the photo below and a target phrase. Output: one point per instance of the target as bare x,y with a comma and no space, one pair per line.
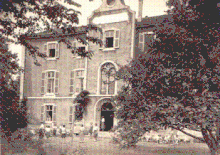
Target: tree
12,115
201,23
21,20
166,88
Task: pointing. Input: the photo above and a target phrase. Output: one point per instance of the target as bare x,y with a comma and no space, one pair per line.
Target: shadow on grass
27,146
177,151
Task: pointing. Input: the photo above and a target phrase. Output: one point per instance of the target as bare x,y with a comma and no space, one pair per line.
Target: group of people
43,131
93,131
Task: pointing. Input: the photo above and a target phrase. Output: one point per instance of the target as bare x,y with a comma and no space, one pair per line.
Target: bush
127,134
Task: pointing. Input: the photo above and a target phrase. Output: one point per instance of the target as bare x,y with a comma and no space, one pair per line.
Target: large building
52,87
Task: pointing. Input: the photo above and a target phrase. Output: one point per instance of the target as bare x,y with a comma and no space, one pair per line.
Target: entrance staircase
105,134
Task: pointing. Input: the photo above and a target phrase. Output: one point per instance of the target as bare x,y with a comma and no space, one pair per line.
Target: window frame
116,37
77,44
107,86
57,50
73,80
43,114
44,83
71,115
143,42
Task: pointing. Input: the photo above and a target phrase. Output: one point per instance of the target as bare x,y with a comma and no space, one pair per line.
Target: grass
103,146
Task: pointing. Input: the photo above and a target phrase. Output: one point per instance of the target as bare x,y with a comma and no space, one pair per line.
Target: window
79,63
50,82
81,48
52,49
76,81
107,84
77,76
111,39
145,39
48,113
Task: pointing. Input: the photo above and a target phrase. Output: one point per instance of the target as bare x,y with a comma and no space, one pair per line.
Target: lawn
103,146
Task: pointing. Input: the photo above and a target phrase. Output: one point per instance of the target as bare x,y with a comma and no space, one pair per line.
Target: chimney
140,9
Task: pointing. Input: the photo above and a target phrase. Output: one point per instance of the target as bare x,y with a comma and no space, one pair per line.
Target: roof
151,21
56,33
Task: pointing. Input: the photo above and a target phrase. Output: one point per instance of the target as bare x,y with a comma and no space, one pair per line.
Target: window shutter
45,49
72,82
54,114
71,115
56,82
42,112
43,83
141,41
103,38
77,85
116,38
57,50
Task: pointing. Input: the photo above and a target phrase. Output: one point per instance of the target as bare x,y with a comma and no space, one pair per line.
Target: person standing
63,135
82,129
54,131
91,129
41,131
95,132
103,123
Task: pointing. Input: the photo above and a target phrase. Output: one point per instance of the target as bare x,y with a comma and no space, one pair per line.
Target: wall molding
71,97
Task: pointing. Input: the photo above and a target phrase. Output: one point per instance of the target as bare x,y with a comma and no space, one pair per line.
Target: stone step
105,134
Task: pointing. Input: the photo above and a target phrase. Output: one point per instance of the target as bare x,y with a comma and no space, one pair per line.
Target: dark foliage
82,100
176,82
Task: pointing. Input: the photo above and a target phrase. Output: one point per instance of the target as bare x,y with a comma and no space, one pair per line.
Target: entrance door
107,116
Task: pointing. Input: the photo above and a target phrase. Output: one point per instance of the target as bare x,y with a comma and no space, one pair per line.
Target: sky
150,8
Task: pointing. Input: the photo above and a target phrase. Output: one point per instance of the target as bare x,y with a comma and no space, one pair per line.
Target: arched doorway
107,116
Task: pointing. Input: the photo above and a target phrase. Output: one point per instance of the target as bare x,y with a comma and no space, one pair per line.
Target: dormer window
111,39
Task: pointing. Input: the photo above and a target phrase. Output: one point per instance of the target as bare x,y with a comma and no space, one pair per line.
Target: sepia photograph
110,77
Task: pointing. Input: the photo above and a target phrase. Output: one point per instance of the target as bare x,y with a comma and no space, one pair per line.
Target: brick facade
66,62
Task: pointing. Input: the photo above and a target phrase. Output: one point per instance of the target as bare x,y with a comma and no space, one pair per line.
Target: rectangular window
146,39
48,113
50,82
52,49
76,81
111,39
79,47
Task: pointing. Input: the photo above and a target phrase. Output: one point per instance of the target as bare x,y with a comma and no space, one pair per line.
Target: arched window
107,83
